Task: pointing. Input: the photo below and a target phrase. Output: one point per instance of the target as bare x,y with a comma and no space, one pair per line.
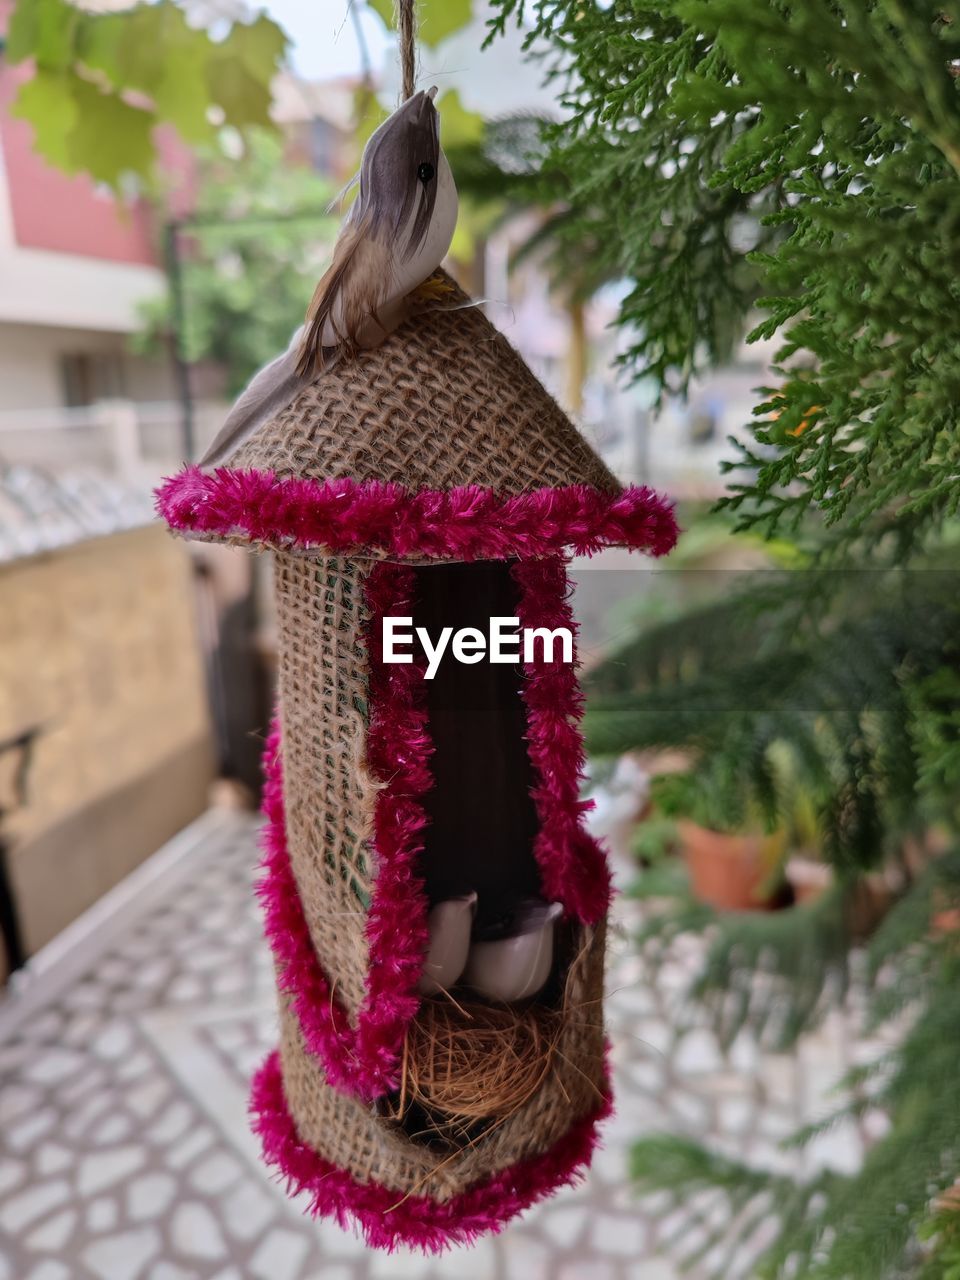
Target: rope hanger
407,35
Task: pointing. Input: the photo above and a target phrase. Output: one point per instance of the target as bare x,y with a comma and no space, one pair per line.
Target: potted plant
807,873
734,863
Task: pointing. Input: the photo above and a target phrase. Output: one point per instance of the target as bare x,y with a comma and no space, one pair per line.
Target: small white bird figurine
394,237
517,964
450,923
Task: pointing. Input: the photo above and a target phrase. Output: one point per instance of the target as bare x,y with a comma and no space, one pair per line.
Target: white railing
69,474
134,442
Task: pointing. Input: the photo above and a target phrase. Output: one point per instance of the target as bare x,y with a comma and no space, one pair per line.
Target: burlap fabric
373,1148
445,401
329,799
329,792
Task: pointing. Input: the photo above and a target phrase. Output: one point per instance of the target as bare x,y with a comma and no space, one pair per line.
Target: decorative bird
449,923
513,960
394,237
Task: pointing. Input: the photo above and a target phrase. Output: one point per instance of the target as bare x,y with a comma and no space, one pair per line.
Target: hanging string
407,33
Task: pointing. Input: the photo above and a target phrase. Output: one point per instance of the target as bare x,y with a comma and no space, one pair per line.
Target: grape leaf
49,97
123,46
240,70
260,45
110,137
436,19
131,70
243,99
98,47
44,30
458,125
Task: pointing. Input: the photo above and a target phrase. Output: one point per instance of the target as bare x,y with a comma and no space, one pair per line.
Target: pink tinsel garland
365,1060
468,523
572,865
398,752
388,1219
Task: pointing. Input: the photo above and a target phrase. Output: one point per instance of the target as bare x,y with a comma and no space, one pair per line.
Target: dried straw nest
470,1065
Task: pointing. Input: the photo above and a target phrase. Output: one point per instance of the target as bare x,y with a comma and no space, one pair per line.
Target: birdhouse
433,901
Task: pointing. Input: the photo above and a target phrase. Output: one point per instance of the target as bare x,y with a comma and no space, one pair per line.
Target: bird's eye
426,171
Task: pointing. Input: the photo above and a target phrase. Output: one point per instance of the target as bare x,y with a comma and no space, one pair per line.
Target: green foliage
459,126
776,972
251,258
103,82
504,170
944,1230
866,1226
704,799
835,668
854,676
653,840
800,161
800,158
801,957
781,804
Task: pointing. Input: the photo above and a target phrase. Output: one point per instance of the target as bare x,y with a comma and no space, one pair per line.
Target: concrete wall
31,374
99,652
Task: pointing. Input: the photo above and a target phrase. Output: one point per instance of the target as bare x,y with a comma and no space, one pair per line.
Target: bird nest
468,1066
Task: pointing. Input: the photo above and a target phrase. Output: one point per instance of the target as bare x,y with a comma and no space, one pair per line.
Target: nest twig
469,1064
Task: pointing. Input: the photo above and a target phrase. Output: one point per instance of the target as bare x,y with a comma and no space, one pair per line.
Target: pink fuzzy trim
323,1020
365,1059
572,865
388,1220
398,752
469,523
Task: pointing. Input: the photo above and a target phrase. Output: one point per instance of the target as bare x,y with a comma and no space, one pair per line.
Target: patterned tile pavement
124,1149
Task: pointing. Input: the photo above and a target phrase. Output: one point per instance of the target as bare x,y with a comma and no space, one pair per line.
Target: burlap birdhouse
431,477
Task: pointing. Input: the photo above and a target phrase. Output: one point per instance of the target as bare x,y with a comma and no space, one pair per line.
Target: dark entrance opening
482,821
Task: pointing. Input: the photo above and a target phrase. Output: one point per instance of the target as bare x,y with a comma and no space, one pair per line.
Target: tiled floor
124,1147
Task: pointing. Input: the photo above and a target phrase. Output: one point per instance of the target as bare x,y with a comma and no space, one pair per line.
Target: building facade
75,267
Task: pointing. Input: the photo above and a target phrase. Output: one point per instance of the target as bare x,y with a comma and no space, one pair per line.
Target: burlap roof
445,401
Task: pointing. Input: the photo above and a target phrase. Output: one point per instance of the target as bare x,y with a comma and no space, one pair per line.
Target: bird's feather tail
347,299
269,391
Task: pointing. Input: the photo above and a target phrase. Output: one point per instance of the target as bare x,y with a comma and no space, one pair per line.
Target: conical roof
444,401
439,444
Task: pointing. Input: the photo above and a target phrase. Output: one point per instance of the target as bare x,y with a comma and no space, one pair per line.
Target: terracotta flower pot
866,904
728,871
